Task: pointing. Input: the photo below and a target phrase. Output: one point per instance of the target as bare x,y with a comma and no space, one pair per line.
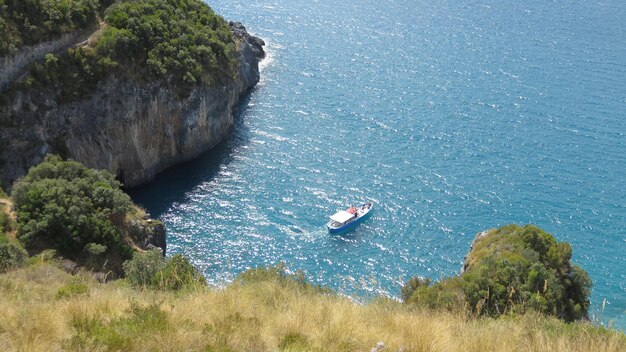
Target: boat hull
351,225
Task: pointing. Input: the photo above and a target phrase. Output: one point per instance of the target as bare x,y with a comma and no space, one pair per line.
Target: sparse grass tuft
46,257
118,334
73,289
293,342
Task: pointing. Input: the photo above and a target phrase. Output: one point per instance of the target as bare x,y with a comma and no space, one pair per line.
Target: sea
452,117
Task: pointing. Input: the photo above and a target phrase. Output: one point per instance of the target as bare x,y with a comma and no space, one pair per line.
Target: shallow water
453,117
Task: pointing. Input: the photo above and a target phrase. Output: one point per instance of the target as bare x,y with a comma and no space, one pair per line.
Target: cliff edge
122,120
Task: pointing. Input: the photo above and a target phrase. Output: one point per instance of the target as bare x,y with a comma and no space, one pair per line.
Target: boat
347,219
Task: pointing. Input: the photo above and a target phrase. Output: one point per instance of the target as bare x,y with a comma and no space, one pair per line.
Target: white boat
347,219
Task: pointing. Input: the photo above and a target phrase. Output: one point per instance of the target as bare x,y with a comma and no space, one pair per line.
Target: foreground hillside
45,309
64,217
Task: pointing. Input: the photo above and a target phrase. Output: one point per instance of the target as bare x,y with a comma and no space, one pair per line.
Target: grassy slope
267,314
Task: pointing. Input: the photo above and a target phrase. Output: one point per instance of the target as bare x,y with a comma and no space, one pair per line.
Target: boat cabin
341,217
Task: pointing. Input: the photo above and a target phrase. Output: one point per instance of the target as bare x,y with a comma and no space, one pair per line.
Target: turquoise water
453,117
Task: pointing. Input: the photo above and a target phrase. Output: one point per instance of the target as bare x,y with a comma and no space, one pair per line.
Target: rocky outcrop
147,234
132,129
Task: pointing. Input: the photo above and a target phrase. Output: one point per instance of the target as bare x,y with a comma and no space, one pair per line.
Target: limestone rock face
132,129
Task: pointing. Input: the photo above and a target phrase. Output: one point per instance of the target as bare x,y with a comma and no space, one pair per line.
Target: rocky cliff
130,128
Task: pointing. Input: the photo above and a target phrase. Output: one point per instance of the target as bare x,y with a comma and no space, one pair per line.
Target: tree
75,210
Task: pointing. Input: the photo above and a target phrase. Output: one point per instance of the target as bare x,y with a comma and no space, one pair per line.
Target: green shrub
66,206
95,249
12,256
48,256
5,221
151,269
279,274
73,289
178,273
512,270
189,49
414,283
141,270
27,22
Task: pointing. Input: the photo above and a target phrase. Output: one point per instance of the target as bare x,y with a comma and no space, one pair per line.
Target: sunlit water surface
452,116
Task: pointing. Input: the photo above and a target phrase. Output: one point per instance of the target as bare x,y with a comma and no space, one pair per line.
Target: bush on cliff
75,210
512,269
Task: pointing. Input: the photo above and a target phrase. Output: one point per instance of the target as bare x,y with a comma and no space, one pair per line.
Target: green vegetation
72,289
511,270
46,257
150,269
119,334
28,22
177,274
75,210
182,43
141,270
12,255
278,275
5,221
183,40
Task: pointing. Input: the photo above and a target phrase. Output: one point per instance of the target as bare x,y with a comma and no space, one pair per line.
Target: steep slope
131,109
44,309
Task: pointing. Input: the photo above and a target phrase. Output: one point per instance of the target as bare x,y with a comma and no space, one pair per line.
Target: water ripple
452,117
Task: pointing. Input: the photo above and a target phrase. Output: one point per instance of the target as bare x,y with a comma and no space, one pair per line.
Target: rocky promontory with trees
156,83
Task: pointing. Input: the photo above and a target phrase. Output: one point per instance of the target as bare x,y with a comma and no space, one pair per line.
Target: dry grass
6,212
263,316
136,213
